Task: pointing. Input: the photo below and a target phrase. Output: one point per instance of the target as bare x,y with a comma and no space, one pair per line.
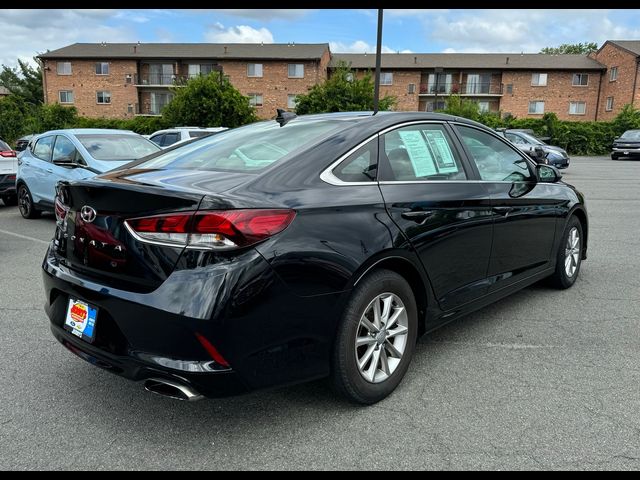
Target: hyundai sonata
302,248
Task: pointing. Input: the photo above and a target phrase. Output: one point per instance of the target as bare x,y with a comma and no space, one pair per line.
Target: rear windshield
4,146
246,149
117,147
631,135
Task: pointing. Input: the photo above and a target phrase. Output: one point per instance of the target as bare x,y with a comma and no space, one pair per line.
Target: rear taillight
214,230
60,210
7,153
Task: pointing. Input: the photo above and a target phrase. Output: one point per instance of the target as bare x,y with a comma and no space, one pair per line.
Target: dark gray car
526,142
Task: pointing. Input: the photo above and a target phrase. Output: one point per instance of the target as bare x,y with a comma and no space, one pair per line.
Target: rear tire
25,203
380,315
10,200
614,156
569,255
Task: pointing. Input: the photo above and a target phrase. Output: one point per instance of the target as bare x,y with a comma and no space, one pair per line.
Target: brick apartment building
123,80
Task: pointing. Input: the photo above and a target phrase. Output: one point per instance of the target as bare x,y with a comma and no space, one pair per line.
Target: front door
525,211
446,217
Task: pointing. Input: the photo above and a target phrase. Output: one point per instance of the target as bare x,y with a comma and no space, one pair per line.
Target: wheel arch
581,215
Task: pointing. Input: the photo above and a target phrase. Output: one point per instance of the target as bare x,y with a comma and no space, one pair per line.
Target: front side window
43,147
580,79
254,70
102,68
421,152
609,106
386,78
361,165
65,96
613,74
157,139
296,70
255,99
577,108
170,139
64,68
536,107
515,139
538,79
64,150
496,161
103,98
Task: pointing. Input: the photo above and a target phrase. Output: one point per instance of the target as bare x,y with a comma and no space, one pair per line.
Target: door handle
502,210
50,171
417,215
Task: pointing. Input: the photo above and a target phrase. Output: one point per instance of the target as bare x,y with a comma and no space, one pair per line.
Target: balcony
464,89
160,80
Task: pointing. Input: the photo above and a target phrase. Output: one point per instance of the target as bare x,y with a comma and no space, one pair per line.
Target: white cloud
266,13
26,33
217,33
360,46
522,30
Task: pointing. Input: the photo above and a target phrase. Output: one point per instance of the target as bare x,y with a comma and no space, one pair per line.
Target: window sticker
441,151
421,158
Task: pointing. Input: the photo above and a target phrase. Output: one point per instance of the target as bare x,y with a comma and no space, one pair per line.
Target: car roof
90,131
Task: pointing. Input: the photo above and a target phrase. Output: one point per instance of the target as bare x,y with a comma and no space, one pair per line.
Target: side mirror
548,173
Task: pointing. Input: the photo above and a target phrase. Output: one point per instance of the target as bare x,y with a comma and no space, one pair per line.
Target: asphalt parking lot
542,380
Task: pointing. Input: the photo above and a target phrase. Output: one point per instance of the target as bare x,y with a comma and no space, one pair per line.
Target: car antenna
284,117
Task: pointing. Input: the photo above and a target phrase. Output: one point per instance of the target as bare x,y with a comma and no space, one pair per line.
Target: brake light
7,153
60,210
211,230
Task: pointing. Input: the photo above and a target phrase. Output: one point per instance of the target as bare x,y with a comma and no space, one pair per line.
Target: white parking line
24,237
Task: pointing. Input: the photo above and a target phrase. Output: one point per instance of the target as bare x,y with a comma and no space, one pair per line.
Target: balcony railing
154,108
474,88
164,79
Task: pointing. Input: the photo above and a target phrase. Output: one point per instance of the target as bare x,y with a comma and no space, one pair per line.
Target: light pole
376,85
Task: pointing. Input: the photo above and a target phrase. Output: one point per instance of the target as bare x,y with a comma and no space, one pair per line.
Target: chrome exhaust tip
171,389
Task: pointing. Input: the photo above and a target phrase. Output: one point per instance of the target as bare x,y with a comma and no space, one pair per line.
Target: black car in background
626,145
289,250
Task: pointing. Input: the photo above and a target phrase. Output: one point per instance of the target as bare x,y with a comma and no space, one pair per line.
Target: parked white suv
171,136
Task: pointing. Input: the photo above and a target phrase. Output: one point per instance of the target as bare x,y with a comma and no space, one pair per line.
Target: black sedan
296,249
626,145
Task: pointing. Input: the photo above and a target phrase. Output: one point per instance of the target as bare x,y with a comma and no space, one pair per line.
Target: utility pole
376,88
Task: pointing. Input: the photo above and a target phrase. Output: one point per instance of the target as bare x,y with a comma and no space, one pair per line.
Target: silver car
526,142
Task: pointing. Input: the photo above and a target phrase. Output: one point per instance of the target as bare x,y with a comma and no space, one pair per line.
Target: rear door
525,211
429,193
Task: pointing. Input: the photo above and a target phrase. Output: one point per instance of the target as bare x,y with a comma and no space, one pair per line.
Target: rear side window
496,161
247,149
421,152
43,147
157,139
199,133
361,165
170,139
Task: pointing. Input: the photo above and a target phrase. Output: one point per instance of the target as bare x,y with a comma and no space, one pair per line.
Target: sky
28,32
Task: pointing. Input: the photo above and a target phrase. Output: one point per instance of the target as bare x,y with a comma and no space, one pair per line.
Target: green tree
14,116
24,81
342,92
51,117
462,107
209,101
574,48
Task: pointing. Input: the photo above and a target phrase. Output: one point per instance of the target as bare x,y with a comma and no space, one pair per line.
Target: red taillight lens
60,210
7,153
217,230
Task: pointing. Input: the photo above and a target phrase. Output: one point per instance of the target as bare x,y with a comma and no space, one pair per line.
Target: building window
613,74
291,101
296,70
128,78
411,89
580,79
539,79
196,69
349,77
65,96
386,78
609,106
509,87
130,108
102,68
433,106
536,107
254,70
577,108
483,106
103,98
255,99
64,68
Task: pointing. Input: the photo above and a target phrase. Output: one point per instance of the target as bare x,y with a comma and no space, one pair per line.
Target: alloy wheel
381,337
572,253
24,202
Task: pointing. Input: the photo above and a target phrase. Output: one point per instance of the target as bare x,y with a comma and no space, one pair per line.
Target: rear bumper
268,336
7,186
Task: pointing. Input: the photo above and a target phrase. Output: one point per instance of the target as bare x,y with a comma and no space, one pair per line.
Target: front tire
25,203
376,338
569,256
614,156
